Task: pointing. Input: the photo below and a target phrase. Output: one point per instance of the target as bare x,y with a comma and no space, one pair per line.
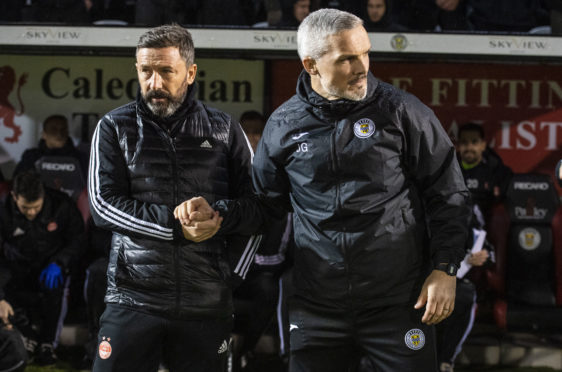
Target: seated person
376,15
507,15
41,233
51,158
432,15
293,12
485,175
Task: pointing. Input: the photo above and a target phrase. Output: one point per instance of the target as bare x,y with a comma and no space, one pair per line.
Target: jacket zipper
176,202
335,168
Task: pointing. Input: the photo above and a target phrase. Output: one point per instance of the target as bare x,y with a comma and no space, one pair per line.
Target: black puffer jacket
375,188
141,168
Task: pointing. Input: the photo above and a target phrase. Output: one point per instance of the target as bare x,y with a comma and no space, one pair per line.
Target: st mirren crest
364,128
529,238
415,339
399,42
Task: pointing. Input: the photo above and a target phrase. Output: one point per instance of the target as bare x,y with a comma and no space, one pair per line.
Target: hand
194,209
438,294
448,5
5,312
51,276
478,258
199,231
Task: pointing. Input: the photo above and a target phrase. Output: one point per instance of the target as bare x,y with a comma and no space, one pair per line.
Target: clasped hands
198,220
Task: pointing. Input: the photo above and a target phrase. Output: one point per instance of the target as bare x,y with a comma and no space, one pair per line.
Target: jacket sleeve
73,239
431,160
251,213
111,205
242,240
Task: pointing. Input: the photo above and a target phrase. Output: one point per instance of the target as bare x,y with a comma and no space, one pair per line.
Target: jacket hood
180,113
332,107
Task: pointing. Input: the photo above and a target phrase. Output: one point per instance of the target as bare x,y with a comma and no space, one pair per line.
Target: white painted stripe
109,212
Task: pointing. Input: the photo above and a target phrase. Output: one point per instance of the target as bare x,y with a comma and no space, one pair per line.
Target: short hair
29,186
56,126
252,115
172,35
317,26
472,127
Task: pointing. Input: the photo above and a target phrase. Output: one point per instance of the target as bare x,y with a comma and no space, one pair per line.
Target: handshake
198,220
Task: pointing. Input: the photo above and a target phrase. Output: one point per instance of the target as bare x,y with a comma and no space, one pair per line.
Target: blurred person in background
293,12
376,15
41,238
507,15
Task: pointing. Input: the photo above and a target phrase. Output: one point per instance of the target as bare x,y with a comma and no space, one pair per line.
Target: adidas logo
223,348
206,145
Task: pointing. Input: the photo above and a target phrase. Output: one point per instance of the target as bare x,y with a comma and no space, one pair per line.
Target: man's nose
155,81
361,65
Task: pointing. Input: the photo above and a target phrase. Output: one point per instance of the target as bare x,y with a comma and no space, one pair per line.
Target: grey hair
172,35
317,26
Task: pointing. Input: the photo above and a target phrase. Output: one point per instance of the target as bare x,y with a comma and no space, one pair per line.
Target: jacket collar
332,108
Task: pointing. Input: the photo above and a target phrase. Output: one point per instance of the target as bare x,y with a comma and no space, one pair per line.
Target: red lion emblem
7,111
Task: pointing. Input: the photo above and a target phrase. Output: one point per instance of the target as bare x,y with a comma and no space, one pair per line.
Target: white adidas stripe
109,212
248,256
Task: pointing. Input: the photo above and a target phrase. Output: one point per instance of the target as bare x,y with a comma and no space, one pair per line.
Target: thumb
195,204
422,300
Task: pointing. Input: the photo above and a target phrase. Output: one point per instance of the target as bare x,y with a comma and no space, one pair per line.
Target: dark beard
165,109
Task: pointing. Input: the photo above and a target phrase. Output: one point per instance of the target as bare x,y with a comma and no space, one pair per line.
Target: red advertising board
519,105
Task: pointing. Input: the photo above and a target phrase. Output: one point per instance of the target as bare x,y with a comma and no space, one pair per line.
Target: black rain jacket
376,191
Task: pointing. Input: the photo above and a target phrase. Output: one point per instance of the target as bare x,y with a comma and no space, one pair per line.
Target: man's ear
309,65
191,74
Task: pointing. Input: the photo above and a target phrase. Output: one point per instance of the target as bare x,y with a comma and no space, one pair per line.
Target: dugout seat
63,173
527,235
5,188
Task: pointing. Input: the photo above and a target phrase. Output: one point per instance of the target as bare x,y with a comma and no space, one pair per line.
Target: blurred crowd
534,16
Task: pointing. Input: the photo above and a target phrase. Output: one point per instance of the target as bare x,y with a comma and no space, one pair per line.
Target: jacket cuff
441,257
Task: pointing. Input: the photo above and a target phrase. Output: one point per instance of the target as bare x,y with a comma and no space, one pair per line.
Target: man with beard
380,207
168,298
485,174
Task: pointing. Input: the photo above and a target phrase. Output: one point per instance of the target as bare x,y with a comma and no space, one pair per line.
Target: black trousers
453,331
135,341
331,339
36,304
